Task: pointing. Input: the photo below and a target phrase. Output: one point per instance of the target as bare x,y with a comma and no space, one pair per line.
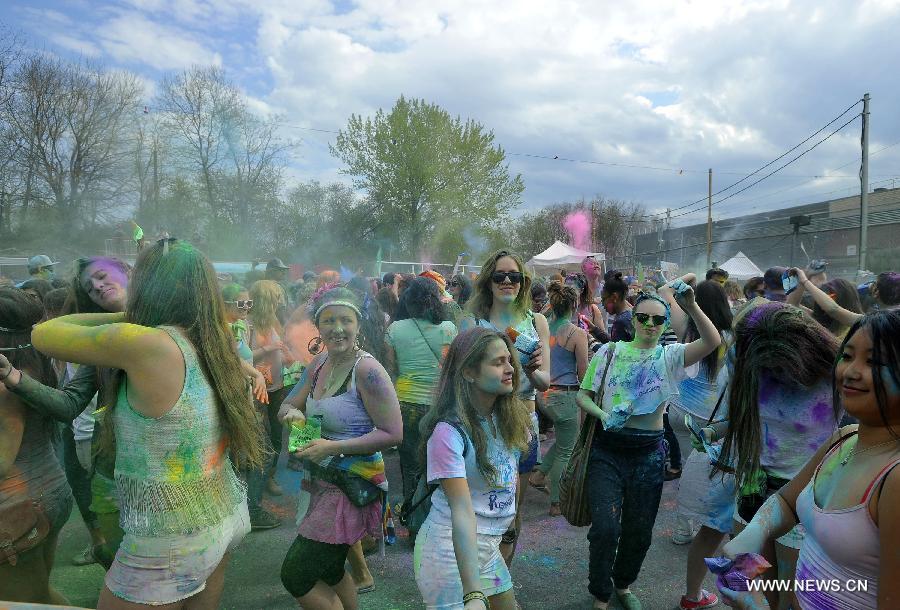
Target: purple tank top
344,415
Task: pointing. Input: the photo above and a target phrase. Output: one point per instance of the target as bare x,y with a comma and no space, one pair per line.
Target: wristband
476,595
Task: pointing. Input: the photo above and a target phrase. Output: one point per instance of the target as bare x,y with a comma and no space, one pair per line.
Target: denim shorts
165,569
437,573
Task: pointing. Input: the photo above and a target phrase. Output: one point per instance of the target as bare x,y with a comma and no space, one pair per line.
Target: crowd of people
157,399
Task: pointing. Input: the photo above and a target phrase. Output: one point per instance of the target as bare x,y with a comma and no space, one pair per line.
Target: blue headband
646,296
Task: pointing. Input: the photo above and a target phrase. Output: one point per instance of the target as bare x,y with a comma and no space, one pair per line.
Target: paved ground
550,570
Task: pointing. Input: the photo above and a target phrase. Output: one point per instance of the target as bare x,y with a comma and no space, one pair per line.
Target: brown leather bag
23,526
573,501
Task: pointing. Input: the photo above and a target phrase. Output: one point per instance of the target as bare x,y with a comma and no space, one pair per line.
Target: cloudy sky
636,99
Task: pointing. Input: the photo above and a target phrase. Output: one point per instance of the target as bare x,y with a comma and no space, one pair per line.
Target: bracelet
476,595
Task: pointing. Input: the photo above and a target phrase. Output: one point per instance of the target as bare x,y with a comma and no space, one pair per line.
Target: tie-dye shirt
495,505
639,380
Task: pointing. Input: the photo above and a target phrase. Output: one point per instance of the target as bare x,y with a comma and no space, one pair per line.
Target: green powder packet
302,435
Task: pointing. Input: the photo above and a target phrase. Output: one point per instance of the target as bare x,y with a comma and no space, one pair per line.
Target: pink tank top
841,547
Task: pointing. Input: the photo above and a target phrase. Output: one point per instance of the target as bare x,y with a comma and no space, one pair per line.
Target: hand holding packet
304,432
524,344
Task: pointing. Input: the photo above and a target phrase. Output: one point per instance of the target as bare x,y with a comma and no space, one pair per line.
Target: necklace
855,452
334,366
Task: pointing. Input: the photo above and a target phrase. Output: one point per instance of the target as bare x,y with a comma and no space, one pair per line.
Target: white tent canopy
562,256
739,267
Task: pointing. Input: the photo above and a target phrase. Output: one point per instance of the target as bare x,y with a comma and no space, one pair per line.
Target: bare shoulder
540,324
371,375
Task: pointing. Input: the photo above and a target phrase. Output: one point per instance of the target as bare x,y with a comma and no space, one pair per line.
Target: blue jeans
624,486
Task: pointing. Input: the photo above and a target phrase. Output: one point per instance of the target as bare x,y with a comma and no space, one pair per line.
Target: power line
730,186
779,168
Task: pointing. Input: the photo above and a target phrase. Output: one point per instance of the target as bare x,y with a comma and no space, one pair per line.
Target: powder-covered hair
79,301
563,300
884,329
453,400
231,291
779,342
482,294
174,284
268,296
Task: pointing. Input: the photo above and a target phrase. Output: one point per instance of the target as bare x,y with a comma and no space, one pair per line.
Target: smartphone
789,282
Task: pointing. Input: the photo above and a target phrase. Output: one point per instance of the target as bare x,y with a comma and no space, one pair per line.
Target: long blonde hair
267,297
453,400
479,305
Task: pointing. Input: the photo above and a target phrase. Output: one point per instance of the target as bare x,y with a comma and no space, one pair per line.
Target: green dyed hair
174,284
231,291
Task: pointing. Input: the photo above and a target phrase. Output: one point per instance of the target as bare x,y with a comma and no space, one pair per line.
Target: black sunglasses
248,304
643,318
514,277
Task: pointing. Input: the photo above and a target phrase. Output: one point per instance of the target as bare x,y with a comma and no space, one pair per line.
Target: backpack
415,510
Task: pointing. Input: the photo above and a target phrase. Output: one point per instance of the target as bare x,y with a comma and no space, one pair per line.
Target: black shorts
309,561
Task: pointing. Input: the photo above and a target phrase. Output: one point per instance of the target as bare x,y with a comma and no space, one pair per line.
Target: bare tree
72,123
200,105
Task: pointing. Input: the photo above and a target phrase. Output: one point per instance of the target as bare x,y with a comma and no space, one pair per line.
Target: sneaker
707,600
263,520
84,558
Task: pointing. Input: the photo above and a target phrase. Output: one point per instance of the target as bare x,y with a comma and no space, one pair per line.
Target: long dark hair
372,326
770,339
19,311
884,329
174,284
845,295
713,301
453,400
421,301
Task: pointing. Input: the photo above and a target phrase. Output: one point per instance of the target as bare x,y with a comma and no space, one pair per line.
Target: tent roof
561,255
740,267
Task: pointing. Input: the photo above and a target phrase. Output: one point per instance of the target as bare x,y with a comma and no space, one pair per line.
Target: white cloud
681,85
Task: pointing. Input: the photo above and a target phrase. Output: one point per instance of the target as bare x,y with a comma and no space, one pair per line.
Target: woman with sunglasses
625,474
461,288
501,301
237,306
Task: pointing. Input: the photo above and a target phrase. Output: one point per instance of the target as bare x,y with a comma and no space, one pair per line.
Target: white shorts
165,569
707,501
437,573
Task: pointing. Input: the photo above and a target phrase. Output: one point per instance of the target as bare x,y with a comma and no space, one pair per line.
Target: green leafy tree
421,167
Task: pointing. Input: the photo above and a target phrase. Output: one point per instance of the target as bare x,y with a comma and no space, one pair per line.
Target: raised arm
828,305
679,318
709,339
62,405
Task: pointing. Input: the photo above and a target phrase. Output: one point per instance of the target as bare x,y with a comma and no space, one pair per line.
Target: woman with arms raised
627,461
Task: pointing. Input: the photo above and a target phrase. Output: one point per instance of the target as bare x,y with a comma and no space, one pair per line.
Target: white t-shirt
639,380
83,425
495,505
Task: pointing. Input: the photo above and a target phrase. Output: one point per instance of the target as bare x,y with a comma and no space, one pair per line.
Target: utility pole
709,222
864,187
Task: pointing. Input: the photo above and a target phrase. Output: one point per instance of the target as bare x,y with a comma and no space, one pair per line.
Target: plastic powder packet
735,573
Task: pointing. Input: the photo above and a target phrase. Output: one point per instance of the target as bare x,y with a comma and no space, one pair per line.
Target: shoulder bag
573,502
